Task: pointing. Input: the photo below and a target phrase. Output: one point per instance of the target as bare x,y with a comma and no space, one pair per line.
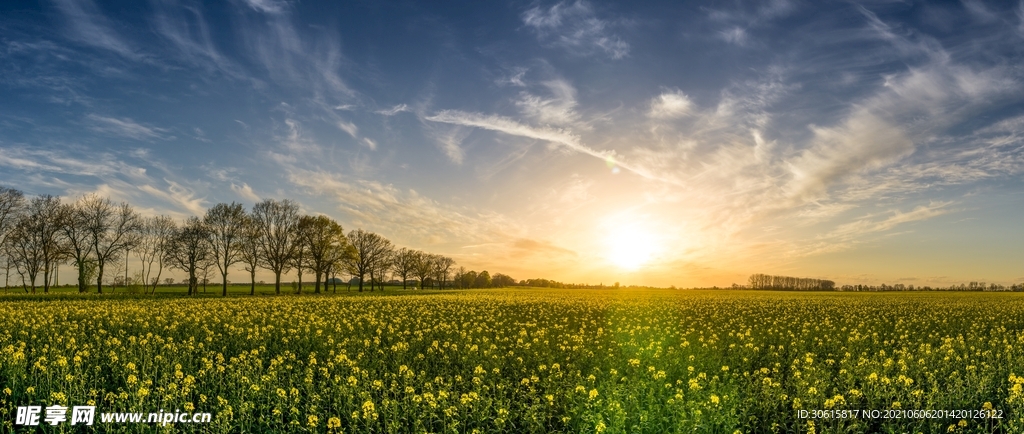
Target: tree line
765,281
94,235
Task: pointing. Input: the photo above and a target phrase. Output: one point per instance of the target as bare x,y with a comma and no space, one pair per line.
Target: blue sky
657,143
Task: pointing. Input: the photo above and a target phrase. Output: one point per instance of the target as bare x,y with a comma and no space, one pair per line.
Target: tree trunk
99,277
224,277
277,282
81,276
316,290
299,289
361,281
252,275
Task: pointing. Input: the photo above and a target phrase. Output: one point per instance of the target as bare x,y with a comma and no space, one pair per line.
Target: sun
630,247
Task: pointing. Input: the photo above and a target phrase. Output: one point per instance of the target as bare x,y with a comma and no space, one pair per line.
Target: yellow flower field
525,360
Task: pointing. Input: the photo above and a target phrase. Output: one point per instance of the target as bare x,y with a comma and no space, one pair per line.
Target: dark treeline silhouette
96,237
765,281
972,286
768,282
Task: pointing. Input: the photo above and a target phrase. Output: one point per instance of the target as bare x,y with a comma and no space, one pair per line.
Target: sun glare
630,247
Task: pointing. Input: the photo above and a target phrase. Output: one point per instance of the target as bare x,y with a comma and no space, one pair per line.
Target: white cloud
516,79
575,27
88,26
267,6
557,110
847,235
509,126
245,192
735,35
863,142
670,105
185,27
979,11
450,143
124,127
394,110
370,143
349,128
178,195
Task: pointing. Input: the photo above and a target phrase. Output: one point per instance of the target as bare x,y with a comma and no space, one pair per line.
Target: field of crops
523,360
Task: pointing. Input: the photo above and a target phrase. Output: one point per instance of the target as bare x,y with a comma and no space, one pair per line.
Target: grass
521,360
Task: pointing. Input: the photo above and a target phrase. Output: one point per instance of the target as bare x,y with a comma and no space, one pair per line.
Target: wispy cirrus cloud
126,176
185,27
558,109
87,25
267,6
125,127
860,231
575,27
394,110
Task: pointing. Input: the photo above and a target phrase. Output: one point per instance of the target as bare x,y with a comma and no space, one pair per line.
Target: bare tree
275,221
189,249
442,269
405,264
42,216
323,237
226,224
423,266
113,231
300,256
368,249
11,203
339,260
382,265
154,236
74,227
25,250
249,250
459,277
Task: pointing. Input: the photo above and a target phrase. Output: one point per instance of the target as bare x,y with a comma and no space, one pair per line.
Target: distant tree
299,260
457,278
442,269
112,230
404,264
249,250
43,216
483,280
189,249
154,236
275,222
170,280
423,266
384,266
12,203
469,279
227,224
324,238
502,280
25,250
368,248
339,261
74,225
